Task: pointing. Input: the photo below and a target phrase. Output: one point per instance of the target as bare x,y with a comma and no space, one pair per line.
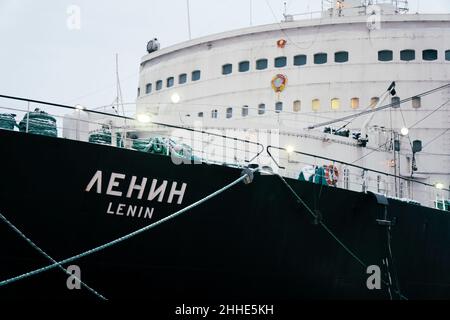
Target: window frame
381,52
247,63
182,76
260,60
278,109
159,85
302,62
148,88
214,114
315,104
224,69
194,73
170,82
318,55
416,102
374,101
355,103
294,105
336,54
244,111
261,109
395,102
406,52
229,113
434,51
334,106
280,58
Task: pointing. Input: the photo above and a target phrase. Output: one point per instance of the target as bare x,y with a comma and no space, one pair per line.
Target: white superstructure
337,65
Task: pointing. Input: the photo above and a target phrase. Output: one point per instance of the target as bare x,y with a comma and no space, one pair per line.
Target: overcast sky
42,58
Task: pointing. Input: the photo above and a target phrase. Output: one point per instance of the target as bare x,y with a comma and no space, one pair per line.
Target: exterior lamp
143,118
404,131
289,149
439,185
175,98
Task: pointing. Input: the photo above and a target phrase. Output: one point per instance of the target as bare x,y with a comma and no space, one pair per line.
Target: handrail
347,164
217,135
260,146
66,107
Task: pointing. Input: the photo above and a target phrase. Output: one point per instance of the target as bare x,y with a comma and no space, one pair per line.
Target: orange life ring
331,175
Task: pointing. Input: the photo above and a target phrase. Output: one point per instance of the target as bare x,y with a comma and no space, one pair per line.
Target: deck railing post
28,116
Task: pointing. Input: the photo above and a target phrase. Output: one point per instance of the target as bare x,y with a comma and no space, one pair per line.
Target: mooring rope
126,237
328,230
35,246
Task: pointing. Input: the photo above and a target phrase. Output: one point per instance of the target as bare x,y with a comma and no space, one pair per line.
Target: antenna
189,19
116,108
119,98
251,13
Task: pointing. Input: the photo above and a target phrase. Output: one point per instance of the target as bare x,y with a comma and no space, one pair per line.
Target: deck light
79,107
404,131
143,118
439,185
289,149
175,98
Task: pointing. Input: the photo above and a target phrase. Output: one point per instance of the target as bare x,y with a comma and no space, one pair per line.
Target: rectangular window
200,114
261,64
335,104
300,60
196,75
244,66
280,62
214,114
182,78
374,101
429,55
395,101
354,103
261,109
447,55
245,111
139,91
320,58
159,85
170,82
148,88
407,55
315,105
385,55
416,102
278,107
297,105
229,113
341,57
227,68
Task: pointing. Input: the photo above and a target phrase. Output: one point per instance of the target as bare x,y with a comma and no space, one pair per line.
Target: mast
189,19
119,103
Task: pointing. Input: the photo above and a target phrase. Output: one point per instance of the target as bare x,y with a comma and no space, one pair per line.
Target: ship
305,159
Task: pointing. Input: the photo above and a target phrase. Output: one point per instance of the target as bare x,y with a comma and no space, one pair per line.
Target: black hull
253,241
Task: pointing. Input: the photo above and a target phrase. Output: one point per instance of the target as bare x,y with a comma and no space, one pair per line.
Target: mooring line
35,246
328,230
126,237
